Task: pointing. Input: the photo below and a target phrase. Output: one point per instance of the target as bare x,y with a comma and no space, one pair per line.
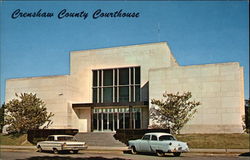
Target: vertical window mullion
117,85
123,120
113,121
113,85
134,84
98,87
118,121
102,121
101,86
107,120
129,84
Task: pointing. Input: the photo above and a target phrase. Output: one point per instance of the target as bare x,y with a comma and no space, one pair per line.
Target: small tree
174,111
246,117
25,112
1,118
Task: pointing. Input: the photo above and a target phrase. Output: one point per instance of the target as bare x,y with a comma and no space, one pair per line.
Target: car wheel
177,154
160,153
39,149
75,151
133,150
55,151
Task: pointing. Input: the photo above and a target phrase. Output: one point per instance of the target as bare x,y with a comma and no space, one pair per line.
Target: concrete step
99,139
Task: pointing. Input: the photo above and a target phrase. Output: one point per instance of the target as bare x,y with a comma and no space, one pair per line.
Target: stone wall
53,90
219,87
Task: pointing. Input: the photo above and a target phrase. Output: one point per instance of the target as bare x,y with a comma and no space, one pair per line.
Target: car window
153,138
146,137
65,138
51,138
166,138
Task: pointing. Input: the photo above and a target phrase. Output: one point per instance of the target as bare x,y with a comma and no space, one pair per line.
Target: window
51,138
166,138
153,138
116,85
146,137
66,139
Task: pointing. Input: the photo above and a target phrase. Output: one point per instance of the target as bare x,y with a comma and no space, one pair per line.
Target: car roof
61,135
158,133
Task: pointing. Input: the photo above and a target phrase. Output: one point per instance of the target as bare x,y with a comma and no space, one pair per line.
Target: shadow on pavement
68,158
245,154
148,154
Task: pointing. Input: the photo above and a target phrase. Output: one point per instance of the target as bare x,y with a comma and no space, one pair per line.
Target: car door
144,144
153,143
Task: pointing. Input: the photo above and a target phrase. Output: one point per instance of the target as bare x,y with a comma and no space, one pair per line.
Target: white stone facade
219,87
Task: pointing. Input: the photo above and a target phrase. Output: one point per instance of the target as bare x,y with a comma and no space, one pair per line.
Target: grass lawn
225,141
14,140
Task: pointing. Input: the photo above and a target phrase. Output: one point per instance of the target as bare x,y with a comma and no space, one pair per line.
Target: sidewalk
103,148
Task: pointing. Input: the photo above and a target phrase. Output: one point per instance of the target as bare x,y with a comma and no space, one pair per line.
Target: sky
197,32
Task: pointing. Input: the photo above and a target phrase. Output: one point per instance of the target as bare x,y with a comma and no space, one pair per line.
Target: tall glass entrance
110,119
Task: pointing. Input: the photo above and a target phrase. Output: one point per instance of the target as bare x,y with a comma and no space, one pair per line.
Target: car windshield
68,138
166,138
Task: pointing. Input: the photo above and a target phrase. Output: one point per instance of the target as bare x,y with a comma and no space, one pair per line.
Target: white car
58,143
159,143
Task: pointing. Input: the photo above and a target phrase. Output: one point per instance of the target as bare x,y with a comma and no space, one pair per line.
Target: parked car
159,143
57,143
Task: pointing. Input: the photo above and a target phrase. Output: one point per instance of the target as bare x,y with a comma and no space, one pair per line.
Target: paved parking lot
110,155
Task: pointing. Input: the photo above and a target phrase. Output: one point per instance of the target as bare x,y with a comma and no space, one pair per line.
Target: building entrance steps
99,139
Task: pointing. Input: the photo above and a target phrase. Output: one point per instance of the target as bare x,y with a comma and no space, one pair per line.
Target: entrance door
110,119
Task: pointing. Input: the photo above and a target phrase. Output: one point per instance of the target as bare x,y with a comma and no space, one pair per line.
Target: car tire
39,149
160,153
75,151
55,151
133,150
177,154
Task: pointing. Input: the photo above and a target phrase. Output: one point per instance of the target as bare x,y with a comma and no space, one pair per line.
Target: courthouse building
112,88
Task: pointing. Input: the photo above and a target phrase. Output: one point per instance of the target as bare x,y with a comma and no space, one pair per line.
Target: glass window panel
137,120
108,77
115,121
100,95
99,122
127,120
95,121
105,121
94,78
132,75
108,94
100,78
121,120
137,75
115,76
123,94
111,122
137,93
115,94
123,76
132,93
94,95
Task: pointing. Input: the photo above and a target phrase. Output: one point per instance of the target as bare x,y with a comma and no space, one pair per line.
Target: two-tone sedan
57,143
159,143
